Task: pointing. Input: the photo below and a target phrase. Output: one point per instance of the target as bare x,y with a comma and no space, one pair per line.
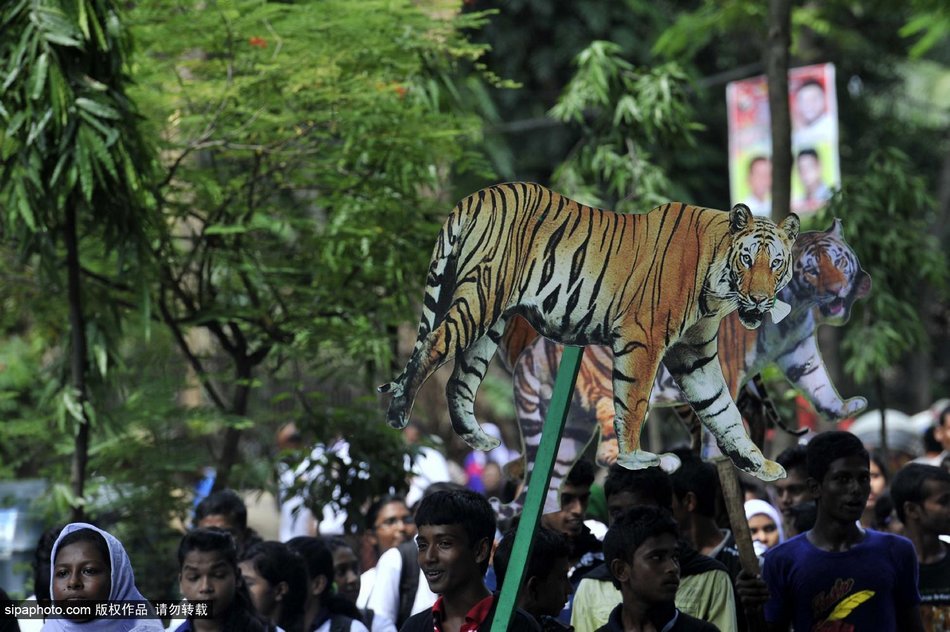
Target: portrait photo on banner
816,172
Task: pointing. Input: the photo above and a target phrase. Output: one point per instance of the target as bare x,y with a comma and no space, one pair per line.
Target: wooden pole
538,489
735,505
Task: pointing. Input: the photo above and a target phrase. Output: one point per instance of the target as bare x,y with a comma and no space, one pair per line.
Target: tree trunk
776,65
232,437
77,360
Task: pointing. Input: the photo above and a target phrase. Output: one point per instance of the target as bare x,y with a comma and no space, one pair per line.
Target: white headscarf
755,507
122,588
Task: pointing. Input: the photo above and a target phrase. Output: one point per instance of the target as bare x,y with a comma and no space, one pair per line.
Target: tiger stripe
645,285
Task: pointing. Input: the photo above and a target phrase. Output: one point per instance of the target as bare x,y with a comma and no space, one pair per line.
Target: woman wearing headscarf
89,564
765,525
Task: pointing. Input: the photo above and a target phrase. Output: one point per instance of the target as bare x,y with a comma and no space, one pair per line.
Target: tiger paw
397,416
854,405
480,440
768,471
638,460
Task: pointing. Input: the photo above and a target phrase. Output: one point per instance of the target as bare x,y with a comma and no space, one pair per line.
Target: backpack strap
340,623
408,580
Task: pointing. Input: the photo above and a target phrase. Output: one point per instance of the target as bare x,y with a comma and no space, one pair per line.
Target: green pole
538,489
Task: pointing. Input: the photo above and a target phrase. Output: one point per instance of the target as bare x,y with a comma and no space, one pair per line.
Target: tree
306,148
71,176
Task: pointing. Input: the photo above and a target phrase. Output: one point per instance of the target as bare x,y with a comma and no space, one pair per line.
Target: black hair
632,529
581,474
41,562
318,558
808,152
650,482
793,458
463,507
241,615
881,463
697,476
930,440
225,502
908,484
944,414
440,486
547,547
829,446
276,562
335,543
373,512
87,535
883,512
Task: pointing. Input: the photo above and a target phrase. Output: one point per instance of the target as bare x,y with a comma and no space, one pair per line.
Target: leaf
99,109
62,40
844,608
73,407
39,75
222,229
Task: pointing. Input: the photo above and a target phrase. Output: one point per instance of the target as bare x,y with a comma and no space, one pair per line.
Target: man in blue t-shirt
838,576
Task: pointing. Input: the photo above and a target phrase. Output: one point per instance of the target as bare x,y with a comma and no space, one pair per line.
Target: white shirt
384,597
355,626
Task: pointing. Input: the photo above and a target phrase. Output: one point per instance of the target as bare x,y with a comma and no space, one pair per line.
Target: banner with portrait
816,171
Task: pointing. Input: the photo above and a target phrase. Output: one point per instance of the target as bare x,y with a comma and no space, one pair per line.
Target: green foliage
306,148
70,133
888,217
303,142
626,115
72,171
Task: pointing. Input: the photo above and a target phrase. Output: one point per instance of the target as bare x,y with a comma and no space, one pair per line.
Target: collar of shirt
473,618
662,616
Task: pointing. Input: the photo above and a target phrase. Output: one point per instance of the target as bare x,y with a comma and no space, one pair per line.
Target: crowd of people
844,544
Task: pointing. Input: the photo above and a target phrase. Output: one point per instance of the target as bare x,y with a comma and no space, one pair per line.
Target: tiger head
827,275
759,261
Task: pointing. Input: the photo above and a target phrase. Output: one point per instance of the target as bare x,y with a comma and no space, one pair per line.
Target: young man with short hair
575,497
792,490
921,495
226,510
839,576
456,530
705,589
545,587
642,553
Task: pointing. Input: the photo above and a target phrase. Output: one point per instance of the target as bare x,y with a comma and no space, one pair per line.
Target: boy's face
792,490
550,593
570,520
935,509
654,573
450,563
843,493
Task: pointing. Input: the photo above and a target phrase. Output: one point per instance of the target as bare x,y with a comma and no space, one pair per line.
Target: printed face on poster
816,170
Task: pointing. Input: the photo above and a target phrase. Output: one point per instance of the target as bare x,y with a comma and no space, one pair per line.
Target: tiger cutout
827,279
652,286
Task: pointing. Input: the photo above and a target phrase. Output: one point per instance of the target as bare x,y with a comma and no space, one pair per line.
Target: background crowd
438,556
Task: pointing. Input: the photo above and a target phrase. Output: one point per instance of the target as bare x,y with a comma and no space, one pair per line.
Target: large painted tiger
652,286
827,279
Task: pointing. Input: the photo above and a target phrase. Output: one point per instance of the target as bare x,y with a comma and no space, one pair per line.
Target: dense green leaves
626,114
890,217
